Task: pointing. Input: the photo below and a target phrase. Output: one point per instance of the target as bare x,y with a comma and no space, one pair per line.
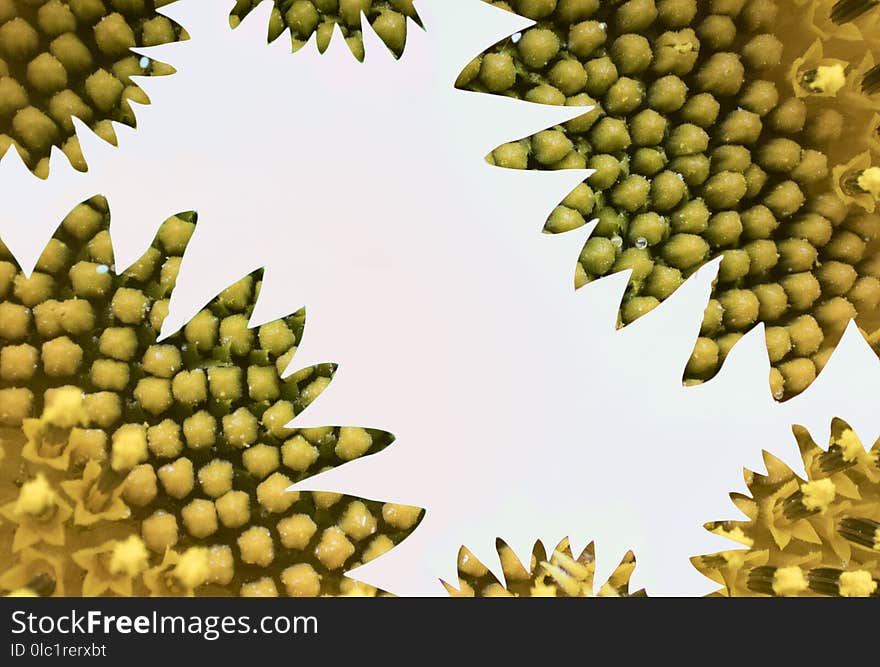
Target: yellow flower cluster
133,467
813,536
560,575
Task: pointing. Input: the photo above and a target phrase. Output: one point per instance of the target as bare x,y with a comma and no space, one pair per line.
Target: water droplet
778,394
617,242
102,268
144,62
603,25
516,37
641,243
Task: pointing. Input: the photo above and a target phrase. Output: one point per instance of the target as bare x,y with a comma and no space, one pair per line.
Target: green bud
635,15
716,32
778,343
834,315
704,359
692,218
601,74
724,229
662,282
647,161
740,127
797,375
785,199
631,193
796,255
675,52
731,158
537,47
789,117
584,122
676,13
585,37
812,168
759,97
610,135
637,306
551,146
762,52
610,222
758,222
712,318
701,109
722,75
763,256
773,301
647,229
779,155
545,94
564,219
624,96
667,94
724,190
607,171
684,251
598,256
740,308
631,53
639,261
497,72
693,168
734,266
568,76
844,246
667,191
802,290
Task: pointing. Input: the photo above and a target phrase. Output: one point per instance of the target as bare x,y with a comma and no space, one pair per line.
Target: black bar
416,631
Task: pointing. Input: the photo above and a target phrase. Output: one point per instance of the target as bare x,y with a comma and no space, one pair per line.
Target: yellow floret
818,495
400,516
65,407
256,547
301,580
129,447
353,442
262,588
200,518
789,581
297,531
334,548
129,557
357,521
233,508
273,494
35,498
160,531
193,567
869,181
829,79
857,584
850,444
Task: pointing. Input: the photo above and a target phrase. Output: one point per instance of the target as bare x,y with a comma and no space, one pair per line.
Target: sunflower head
813,536
559,575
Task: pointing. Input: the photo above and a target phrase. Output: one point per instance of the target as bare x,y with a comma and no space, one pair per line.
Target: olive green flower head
818,536
320,18
133,465
61,59
740,129
560,575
